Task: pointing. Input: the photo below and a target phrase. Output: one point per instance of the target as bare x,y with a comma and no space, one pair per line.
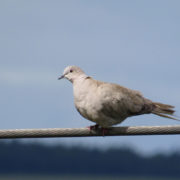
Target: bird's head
72,72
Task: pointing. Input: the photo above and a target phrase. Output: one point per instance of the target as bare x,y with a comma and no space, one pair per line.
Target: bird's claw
96,127
104,131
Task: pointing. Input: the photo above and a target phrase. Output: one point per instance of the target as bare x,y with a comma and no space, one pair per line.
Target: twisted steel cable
85,132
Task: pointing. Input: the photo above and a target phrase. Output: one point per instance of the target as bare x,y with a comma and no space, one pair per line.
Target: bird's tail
164,110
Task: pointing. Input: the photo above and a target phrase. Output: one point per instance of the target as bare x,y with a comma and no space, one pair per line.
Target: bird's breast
86,102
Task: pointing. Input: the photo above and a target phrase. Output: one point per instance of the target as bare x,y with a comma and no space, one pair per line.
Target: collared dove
108,104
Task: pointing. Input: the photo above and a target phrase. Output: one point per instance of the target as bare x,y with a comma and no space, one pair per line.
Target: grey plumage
108,104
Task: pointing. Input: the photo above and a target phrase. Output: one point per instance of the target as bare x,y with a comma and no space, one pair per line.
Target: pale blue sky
134,43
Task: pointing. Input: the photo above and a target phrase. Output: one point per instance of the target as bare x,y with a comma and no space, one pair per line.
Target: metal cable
84,132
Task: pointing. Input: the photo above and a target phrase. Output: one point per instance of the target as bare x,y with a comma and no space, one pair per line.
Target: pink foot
95,127
104,131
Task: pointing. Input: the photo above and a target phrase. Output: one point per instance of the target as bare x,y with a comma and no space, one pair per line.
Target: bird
107,104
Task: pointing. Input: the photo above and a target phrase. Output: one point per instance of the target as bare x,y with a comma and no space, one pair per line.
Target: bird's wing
118,101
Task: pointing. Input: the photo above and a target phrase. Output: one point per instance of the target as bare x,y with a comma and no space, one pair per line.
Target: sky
133,43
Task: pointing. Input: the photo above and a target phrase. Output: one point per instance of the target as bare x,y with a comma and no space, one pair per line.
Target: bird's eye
71,70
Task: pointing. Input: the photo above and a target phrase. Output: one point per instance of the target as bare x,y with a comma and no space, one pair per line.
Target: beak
61,77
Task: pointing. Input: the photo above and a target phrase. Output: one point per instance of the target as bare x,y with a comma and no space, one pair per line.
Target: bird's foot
104,131
95,127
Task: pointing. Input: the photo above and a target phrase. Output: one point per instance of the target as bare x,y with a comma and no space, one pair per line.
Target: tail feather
163,105
164,110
